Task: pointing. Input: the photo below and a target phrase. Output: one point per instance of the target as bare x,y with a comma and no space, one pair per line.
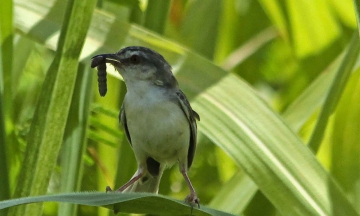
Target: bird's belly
161,132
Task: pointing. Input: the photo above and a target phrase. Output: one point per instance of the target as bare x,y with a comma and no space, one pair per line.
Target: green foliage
48,124
126,202
265,76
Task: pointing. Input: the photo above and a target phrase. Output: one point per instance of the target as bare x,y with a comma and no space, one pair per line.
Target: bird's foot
108,189
193,200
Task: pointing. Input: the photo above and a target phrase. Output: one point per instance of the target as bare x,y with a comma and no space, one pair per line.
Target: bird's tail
146,183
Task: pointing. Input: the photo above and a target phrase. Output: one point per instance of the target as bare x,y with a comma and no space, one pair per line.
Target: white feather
158,127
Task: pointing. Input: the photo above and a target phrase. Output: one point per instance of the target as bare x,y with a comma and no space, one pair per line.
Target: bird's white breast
158,127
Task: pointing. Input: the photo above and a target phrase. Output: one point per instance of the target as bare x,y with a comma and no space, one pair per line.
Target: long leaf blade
337,87
6,112
124,202
50,117
75,139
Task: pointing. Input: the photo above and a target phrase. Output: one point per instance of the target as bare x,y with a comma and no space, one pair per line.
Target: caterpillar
100,64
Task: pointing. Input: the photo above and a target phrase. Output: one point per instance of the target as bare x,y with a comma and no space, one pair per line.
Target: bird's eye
135,59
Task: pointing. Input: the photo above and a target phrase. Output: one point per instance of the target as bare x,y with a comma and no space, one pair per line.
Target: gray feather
191,115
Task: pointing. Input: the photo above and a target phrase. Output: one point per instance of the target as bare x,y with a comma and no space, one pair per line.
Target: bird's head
140,64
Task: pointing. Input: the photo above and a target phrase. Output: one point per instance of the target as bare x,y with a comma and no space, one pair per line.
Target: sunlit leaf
48,125
334,94
123,202
313,26
235,195
345,137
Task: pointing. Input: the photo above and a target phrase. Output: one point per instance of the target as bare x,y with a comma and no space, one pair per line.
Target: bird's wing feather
122,118
191,115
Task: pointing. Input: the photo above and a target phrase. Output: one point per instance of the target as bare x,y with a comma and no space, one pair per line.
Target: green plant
258,112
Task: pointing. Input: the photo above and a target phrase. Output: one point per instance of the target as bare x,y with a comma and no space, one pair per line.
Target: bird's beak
106,58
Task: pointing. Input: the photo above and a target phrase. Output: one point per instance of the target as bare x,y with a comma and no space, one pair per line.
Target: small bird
158,120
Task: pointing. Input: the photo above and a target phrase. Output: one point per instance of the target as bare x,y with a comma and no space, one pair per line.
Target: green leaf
313,97
74,145
156,15
50,117
235,195
335,91
273,9
342,8
196,33
99,139
357,13
313,26
98,125
6,93
237,119
138,203
97,108
249,48
345,137
6,53
271,154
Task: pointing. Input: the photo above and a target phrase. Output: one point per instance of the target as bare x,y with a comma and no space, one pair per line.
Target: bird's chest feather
157,126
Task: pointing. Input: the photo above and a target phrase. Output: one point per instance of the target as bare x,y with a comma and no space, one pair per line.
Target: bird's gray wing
122,118
192,116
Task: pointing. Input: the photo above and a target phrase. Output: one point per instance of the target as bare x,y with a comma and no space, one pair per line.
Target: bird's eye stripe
126,60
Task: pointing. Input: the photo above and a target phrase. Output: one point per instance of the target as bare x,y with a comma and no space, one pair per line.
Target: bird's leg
126,185
192,197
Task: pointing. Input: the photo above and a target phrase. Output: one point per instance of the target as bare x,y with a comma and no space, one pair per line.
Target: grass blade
6,113
345,137
75,138
235,195
156,15
127,202
357,13
4,179
50,117
335,92
313,97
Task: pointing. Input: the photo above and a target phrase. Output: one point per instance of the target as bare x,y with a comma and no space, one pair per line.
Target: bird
157,118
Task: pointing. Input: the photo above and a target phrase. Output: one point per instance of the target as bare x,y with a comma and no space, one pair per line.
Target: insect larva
102,79
96,60
100,64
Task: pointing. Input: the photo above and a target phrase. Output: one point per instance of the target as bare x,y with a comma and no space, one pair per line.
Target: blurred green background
267,77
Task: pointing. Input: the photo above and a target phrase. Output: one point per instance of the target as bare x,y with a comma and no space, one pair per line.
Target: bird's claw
193,200
108,189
